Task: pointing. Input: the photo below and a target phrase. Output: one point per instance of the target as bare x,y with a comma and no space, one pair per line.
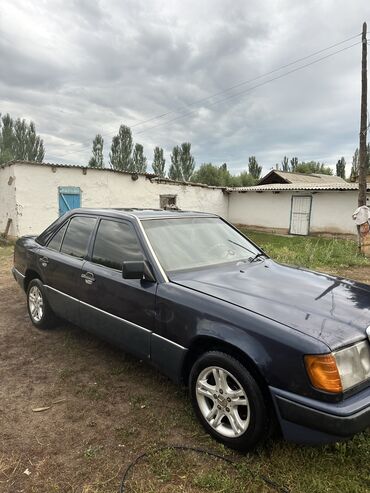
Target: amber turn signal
323,372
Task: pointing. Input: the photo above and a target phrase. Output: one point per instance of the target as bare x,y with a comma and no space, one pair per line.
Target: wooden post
363,171
7,227
362,175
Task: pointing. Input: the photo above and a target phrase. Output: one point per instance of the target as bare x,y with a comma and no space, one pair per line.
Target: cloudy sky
80,67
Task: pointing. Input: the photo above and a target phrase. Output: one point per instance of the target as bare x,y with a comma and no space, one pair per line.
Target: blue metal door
69,198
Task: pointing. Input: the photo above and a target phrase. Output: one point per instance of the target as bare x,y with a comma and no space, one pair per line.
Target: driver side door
117,309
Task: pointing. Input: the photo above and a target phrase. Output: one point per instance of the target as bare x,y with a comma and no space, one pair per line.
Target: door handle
89,277
44,261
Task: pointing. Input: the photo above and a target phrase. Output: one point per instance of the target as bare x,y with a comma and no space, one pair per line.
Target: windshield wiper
241,246
259,255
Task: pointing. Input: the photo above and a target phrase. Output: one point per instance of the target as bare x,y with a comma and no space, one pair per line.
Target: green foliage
341,168
254,168
212,175
285,164
139,160
96,161
182,163
303,167
356,162
220,176
187,161
18,140
121,149
159,162
293,164
175,172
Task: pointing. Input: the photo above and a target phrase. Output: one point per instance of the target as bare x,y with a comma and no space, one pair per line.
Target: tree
210,174
175,172
313,167
187,161
293,164
341,168
355,163
220,176
96,161
159,162
18,140
121,150
285,164
139,160
254,168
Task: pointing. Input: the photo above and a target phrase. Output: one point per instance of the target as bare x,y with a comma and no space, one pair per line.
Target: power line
162,115
183,115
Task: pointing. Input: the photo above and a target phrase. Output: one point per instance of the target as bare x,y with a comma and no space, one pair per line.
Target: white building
297,204
32,195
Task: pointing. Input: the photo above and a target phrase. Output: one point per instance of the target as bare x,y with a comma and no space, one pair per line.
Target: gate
69,198
300,215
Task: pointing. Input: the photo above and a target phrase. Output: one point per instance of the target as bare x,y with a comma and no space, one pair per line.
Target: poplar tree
341,168
96,161
175,168
187,161
139,160
19,140
121,150
159,162
254,168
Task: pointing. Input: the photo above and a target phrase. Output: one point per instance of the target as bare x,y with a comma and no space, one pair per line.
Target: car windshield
195,242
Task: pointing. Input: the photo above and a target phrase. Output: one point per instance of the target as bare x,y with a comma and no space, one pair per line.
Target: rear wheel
228,401
39,310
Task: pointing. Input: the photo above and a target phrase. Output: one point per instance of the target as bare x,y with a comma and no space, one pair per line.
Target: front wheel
228,401
39,310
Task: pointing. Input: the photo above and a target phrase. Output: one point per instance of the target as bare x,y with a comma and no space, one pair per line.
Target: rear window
115,242
56,241
76,239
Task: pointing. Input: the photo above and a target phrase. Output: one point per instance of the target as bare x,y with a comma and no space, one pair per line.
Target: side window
115,242
56,240
76,239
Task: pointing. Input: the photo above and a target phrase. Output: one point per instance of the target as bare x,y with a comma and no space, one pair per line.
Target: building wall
331,211
267,209
7,200
37,198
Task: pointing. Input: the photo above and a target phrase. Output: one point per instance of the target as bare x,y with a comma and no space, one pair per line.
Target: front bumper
305,420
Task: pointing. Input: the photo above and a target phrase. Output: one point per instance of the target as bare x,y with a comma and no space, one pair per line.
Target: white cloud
78,68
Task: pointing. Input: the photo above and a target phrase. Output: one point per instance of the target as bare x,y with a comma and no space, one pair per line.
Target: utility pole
362,175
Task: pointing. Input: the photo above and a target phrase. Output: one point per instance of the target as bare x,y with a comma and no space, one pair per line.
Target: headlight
353,364
341,370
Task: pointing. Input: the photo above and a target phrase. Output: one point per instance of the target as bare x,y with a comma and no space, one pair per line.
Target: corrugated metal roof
58,165
155,178
289,177
281,187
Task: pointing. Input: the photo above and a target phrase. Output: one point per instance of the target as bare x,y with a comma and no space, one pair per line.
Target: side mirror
137,269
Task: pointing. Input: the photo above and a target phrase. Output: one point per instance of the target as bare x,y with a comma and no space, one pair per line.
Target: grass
309,252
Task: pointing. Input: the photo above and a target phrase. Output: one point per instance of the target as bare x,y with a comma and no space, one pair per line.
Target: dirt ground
104,408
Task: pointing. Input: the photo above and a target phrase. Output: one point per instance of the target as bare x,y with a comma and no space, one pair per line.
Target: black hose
269,482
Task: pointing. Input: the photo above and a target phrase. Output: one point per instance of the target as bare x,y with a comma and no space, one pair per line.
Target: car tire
39,310
234,411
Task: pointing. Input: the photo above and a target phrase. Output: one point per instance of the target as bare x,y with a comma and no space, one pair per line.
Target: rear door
120,310
61,262
300,215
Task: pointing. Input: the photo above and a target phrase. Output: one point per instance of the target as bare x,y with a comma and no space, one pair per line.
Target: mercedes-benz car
257,342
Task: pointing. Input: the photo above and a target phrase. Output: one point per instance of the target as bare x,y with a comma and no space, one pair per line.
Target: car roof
142,213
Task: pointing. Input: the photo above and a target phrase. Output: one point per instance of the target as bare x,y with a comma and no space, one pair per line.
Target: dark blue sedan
257,342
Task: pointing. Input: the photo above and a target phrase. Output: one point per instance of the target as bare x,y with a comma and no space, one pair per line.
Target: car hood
333,310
